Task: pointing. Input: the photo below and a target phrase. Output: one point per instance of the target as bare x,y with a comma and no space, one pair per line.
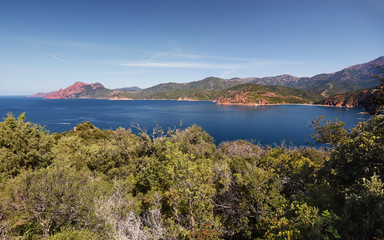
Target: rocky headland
371,100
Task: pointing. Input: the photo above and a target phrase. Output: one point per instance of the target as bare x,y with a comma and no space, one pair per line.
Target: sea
266,125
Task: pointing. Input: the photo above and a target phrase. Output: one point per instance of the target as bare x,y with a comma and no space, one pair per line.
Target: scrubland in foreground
103,184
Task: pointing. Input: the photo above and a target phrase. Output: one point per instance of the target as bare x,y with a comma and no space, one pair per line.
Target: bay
267,125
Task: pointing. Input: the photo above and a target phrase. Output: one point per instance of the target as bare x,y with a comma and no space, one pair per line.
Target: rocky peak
72,91
372,64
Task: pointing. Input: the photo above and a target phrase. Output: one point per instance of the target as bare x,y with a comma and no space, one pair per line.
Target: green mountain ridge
249,94
349,79
197,90
327,84
356,77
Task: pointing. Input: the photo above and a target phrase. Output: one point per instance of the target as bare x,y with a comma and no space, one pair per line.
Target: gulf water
267,125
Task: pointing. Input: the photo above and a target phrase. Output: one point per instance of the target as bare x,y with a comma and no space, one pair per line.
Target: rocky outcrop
69,92
77,90
372,100
85,90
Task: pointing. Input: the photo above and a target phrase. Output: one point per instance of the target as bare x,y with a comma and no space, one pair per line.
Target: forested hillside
112,184
250,93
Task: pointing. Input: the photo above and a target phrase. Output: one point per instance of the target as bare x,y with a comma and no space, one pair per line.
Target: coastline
213,101
268,104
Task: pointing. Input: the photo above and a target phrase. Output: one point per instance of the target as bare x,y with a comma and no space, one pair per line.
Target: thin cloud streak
177,65
198,65
55,57
165,54
161,59
63,61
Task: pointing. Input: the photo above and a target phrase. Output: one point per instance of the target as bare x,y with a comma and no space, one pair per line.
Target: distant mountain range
267,90
327,84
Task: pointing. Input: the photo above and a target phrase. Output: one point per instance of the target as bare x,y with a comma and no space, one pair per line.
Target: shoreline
239,104
221,104
268,104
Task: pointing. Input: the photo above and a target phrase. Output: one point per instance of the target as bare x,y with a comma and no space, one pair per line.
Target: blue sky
48,45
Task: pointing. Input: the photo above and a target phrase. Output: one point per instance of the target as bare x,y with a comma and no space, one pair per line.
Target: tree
49,199
23,145
330,132
249,194
360,155
363,214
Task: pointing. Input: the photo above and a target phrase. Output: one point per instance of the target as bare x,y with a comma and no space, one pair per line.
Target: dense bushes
102,184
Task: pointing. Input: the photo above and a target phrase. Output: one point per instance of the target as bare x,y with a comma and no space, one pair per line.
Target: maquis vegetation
177,184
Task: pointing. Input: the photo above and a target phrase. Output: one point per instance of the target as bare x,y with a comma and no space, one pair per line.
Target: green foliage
107,152
329,132
186,182
354,160
363,214
253,93
73,234
49,198
102,184
250,193
301,221
294,170
23,145
357,154
195,141
198,90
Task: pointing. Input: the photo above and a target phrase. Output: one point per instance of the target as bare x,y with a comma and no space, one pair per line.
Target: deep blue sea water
266,125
